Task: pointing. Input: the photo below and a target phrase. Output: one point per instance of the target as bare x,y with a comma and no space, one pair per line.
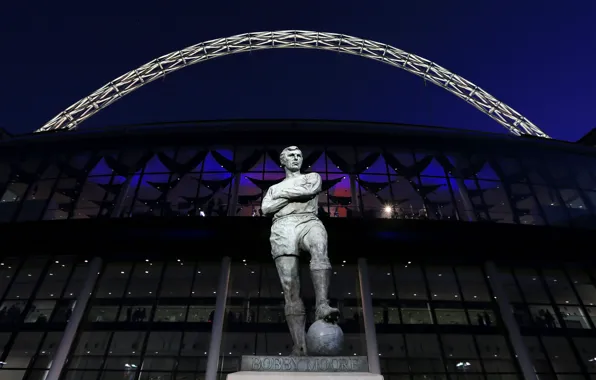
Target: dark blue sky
538,57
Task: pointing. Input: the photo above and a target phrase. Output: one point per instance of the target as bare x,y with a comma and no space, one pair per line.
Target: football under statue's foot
327,313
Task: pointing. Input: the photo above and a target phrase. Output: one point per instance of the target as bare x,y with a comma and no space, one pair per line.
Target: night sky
537,57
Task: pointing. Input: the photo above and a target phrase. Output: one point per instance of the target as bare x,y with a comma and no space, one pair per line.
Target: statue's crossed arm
305,188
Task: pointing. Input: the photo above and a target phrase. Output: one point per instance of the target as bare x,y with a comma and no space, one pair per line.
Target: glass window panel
393,315
483,317
36,200
586,348
462,198
556,167
544,316
113,280
583,168
561,356
125,349
443,285
56,277
164,343
64,311
525,206
271,314
451,316
65,193
249,195
556,213
4,337
205,282
201,313
529,282
440,202
244,280
194,344
14,193
583,285
97,194
574,317
473,284
407,202
509,284
381,282
416,315
47,350
534,170
90,350
144,280
86,375
476,195
539,359
11,310
424,353
393,353
77,280
496,201
27,278
177,279
8,267
40,312
461,354
495,354
135,313
575,205
13,374
101,313
23,349
344,283
170,313
410,281
559,287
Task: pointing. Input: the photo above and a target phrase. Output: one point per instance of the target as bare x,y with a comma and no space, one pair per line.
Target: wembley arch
83,109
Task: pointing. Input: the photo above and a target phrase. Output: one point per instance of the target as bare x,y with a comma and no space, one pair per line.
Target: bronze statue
295,229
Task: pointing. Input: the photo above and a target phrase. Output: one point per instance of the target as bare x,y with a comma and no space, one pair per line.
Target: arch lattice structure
71,117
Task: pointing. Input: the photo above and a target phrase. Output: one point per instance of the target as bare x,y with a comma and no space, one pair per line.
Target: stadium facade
470,252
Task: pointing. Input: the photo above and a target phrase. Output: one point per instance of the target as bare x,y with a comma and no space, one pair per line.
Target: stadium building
140,252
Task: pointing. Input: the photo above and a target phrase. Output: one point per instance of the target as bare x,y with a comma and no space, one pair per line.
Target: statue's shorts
287,238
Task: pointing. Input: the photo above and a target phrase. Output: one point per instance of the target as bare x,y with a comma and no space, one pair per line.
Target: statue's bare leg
288,270
315,242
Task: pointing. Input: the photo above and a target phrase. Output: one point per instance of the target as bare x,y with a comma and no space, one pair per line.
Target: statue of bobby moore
296,229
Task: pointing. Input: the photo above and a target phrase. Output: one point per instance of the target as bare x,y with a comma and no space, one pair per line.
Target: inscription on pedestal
305,363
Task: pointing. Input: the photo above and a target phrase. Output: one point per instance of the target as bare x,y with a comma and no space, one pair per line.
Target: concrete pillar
121,198
75,319
465,196
233,206
372,351
356,210
521,351
218,320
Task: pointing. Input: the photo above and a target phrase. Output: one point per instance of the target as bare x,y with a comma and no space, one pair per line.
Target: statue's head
291,158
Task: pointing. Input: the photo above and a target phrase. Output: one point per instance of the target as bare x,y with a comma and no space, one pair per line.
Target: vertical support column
233,206
121,198
218,320
465,196
372,350
519,346
355,201
73,324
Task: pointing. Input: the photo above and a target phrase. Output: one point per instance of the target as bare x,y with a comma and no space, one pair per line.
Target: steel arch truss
71,117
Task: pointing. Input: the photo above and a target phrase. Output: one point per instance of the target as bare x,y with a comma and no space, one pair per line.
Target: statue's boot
296,318
321,279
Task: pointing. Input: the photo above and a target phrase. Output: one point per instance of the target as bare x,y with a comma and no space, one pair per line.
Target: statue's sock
295,315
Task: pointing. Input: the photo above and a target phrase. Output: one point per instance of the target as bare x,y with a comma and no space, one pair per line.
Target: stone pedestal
303,367
251,375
